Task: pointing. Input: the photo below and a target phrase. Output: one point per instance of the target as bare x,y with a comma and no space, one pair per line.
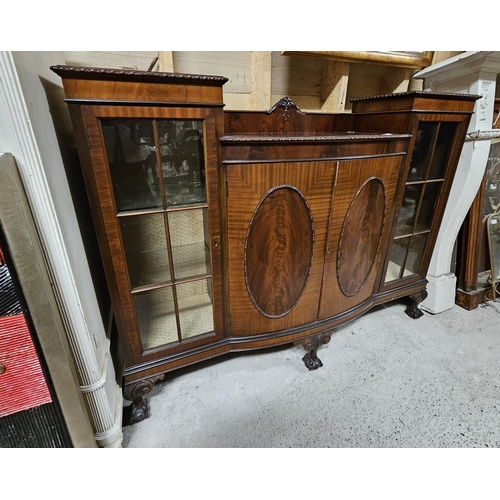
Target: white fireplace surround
472,73
26,131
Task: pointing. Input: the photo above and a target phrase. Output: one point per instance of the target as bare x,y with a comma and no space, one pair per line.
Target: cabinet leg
412,310
136,392
311,345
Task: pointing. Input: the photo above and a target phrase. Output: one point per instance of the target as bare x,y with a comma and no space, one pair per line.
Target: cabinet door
422,204
154,173
363,202
277,221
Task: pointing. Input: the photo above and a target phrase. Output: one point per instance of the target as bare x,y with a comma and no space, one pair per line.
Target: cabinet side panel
99,194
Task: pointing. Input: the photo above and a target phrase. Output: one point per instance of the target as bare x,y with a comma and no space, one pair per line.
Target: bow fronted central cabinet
224,231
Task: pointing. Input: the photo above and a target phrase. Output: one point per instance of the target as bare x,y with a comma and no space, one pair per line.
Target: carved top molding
420,93
125,74
312,138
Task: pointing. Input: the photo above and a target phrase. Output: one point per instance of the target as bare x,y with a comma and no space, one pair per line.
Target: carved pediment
286,104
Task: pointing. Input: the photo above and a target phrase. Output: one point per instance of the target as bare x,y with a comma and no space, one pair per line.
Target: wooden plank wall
118,60
259,79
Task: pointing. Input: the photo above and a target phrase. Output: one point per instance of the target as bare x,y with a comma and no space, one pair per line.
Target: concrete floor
387,382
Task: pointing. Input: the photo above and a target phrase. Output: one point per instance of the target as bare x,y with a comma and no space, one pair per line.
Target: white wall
34,74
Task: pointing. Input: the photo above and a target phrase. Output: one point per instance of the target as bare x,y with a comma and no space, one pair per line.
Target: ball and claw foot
139,410
413,310
311,345
136,392
312,361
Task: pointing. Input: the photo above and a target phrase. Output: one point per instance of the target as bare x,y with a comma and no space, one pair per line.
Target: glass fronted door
157,170
429,161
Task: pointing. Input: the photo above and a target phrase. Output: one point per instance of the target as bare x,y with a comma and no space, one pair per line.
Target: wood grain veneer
301,212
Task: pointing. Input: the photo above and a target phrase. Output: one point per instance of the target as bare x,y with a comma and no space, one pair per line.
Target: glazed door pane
409,209
442,150
422,150
182,161
430,157
189,237
157,169
397,258
155,310
195,308
427,207
414,257
145,243
131,154
138,149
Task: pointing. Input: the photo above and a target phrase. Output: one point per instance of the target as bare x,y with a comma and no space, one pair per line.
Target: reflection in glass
145,243
397,259
195,308
421,151
492,181
493,228
182,161
415,254
432,147
156,317
408,209
442,150
131,153
429,201
189,237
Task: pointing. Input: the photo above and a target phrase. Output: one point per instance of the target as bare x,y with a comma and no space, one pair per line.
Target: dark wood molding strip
82,72
420,93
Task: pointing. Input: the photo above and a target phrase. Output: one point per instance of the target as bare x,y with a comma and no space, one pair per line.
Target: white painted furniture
473,73
27,132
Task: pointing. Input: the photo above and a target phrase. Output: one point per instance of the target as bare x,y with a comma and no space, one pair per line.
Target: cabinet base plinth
471,300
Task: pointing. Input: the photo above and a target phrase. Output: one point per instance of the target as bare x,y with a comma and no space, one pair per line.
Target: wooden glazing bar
167,229
166,284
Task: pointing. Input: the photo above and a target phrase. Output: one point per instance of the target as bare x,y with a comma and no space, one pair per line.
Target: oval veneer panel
279,249
360,237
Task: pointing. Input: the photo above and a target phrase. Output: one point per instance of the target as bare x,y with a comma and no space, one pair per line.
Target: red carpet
22,384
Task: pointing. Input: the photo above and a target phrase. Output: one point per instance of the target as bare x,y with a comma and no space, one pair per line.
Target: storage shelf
157,322
150,268
191,260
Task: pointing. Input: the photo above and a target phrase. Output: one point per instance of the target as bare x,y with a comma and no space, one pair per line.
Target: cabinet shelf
191,260
148,269
157,318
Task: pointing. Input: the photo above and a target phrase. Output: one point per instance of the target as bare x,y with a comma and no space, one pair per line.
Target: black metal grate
9,302
43,426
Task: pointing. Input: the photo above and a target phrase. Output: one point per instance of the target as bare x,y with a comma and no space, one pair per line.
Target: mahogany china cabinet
224,231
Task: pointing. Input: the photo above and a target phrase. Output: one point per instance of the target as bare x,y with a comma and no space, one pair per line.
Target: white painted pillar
470,73
87,336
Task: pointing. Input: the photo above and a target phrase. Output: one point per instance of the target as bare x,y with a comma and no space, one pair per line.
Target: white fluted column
473,73
90,349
